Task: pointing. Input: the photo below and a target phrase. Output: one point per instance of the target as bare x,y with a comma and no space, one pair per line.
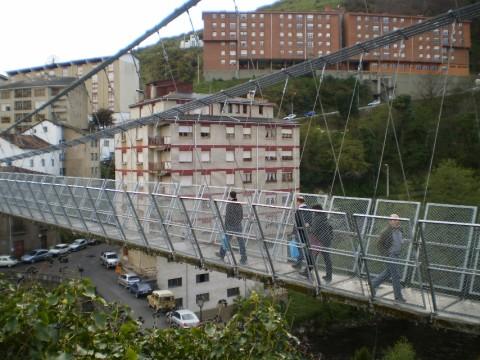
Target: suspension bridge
440,256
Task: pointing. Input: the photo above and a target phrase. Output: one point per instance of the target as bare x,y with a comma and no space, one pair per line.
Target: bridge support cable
463,14
390,121
176,13
337,163
196,247
440,113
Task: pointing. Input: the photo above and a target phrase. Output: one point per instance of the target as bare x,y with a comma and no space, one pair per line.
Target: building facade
267,40
192,42
237,45
423,54
19,98
236,144
113,89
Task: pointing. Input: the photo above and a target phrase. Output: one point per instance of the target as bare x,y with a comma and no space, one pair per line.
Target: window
186,180
245,108
287,155
5,119
179,303
205,297
43,162
139,157
233,292
203,278
184,131
260,109
270,133
5,94
247,155
247,133
205,131
287,133
247,178
287,177
229,156
184,156
106,143
230,130
23,105
271,176
173,283
31,163
270,155
39,92
22,93
230,179
205,156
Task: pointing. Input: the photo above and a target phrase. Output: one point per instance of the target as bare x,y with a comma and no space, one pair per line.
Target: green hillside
302,5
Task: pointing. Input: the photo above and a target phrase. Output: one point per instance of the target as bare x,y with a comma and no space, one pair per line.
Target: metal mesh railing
437,264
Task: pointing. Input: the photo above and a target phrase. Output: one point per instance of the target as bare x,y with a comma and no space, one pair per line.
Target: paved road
105,280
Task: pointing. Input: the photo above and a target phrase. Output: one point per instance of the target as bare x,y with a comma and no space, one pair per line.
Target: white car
290,117
78,244
374,102
183,318
109,259
59,249
126,280
8,261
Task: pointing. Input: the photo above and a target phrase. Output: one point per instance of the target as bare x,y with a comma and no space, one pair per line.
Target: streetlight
200,303
388,180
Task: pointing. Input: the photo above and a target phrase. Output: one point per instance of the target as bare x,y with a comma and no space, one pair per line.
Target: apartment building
114,89
18,98
266,40
235,43
424,54
237,143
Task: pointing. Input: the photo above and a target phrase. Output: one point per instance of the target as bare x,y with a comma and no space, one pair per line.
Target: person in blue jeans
390,245
233,223
302,223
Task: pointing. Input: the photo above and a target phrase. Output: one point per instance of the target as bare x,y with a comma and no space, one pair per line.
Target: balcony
159,142
162,168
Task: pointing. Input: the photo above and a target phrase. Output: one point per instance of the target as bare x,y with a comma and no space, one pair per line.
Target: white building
192,42
107,148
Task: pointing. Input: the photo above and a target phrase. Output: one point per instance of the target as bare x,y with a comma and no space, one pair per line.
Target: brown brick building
273,40
269,40
423,54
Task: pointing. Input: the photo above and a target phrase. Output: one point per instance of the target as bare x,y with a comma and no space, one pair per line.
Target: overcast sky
32,32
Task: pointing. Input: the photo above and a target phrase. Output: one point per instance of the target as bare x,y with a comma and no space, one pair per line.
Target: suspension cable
337,165
437,128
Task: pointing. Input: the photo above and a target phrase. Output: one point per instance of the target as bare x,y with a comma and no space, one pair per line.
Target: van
161,300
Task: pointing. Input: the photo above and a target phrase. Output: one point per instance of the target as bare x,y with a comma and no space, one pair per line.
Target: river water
429,343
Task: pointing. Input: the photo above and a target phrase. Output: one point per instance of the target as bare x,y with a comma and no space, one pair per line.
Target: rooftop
25,141
51,81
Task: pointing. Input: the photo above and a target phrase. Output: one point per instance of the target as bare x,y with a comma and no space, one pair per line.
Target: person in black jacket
321,235
303,218
233,223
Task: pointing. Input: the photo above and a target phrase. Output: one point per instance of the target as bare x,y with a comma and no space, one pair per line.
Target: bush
402,350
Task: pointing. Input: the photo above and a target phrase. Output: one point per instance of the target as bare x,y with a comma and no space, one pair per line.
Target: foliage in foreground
72,322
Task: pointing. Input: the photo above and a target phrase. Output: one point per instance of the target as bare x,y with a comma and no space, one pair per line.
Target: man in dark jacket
321,236
303,218
390,245
233,223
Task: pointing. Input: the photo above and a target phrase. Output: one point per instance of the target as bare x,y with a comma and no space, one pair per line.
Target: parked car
290,117
59,249
78,244
310,113
128,279
36,255
374,102
183,318
8,261
109,259
140,288
161,300
91,242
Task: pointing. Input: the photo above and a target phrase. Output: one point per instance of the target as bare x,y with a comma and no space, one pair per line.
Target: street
86,262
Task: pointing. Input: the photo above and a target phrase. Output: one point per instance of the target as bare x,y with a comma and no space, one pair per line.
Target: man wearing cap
390,245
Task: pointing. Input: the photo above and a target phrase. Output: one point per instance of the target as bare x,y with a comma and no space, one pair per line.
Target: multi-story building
192,42
18,98
423,54
266,40
237,143
237,44
114,89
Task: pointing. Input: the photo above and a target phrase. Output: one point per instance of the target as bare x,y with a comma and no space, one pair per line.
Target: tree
101,119
453,184
71,322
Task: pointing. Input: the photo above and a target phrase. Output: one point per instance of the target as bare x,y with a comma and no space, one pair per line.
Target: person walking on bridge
233,223
390,245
